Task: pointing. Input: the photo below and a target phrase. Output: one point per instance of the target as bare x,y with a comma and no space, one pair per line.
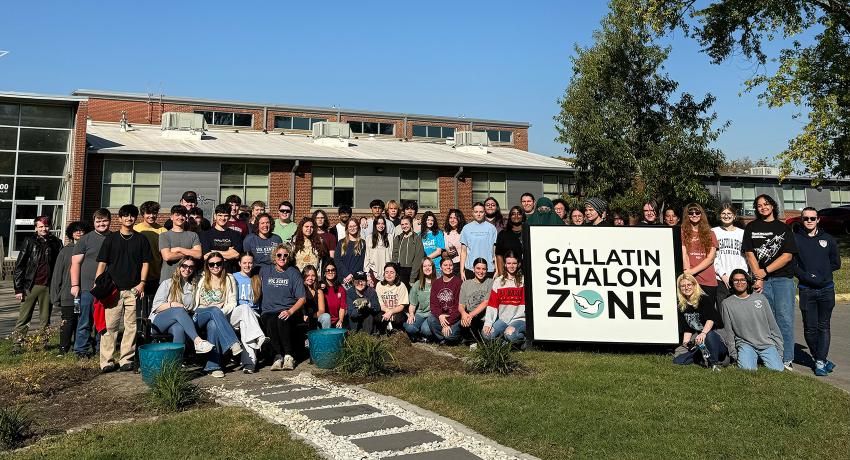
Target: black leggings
67,328
282,332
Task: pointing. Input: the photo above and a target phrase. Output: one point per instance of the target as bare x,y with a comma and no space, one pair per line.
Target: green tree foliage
630,140
816,76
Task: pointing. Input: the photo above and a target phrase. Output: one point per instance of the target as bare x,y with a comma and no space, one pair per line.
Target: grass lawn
842,276
206,433
580,404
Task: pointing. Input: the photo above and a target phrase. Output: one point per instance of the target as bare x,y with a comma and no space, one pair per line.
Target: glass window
9,114
223,118
8,138
249,181
30,188
419,185
281,122
387,129
420,131
486,184
7,162
44,140
742,197
356,126
839,196
243,119
227,118
301,123
208,116
41,164
333,186
370,127
557,186
46,116
439,132
794,197
448,132
493,136
130,182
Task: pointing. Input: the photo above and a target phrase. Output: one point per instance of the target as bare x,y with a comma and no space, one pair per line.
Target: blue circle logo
588,303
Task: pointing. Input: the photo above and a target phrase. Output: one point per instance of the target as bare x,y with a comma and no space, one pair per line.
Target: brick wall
78,164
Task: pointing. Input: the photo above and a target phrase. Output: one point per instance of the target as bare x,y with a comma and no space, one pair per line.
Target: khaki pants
37,295
124,307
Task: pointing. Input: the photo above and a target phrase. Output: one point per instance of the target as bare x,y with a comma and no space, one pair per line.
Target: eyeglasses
694,213
187,267
809,219
215,264
281,255
285,211
739,281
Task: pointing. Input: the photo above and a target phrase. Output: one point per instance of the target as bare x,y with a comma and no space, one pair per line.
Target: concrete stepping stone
314,403
446,454
397,441
332,413
276,389
293,395
366,425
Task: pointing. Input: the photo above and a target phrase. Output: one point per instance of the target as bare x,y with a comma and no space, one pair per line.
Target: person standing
235,222
770,247
444,321
32,274
393,213
189,201
379,251
452,229
222,239
83,268
816,260
60,287
649,215
320,220
126,256
749,316
258,207
699,247
176,244
377,208
344,215
492,214
510,239
151,230
671,217
433,239
285,226
595,212
544,214
576,217
527,203
729,253
407,251
477,239
308,246
560,207
350,253
262,241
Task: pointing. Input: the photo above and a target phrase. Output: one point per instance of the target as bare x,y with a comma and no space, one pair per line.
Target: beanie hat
598,204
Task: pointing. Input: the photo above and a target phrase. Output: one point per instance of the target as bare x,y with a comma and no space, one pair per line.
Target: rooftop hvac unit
764,171
183,121
324,129
471,138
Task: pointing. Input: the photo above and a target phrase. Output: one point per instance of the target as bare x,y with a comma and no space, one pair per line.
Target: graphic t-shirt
694,318
280,289
244,291
222,240
391,296
238,225
431,243
472,293
769,240
696,254
445,297
261,248
729,253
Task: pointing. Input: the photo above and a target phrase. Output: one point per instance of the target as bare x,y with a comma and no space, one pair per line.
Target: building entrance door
23,221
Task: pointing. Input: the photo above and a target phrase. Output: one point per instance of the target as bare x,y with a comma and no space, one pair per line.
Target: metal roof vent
331,134
181,125
471,141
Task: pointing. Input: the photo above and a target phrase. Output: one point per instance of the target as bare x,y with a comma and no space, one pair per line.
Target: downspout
292,186
265,118
457,174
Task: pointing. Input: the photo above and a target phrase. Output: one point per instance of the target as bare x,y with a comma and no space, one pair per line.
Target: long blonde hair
208,274
693,300
175,294
359,244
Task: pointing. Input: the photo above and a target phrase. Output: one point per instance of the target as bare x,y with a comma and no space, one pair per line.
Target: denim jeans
717,351
85,324
419,327
499,326
816,306
780,294
219,333
748,358
437,330
177,322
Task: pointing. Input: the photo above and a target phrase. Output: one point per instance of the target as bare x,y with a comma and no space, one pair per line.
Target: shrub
172,388
493,357
15,425
365,355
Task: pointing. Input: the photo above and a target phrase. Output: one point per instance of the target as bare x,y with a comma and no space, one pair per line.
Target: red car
835,221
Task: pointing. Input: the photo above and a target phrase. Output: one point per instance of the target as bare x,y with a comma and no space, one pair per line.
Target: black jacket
35,249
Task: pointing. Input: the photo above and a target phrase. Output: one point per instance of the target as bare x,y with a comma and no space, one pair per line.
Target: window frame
838,190
310,122
244,183
428,128
378,126
233,118
333,187
793,188
562,183
419,188
132,184
489,188
744,206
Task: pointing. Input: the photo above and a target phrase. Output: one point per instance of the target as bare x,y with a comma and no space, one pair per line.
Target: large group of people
245,281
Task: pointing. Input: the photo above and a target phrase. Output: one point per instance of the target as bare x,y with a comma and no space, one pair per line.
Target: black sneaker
111,367
129,367
248,370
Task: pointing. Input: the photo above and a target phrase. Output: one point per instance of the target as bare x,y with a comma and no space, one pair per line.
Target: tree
816,76
741,165
630,141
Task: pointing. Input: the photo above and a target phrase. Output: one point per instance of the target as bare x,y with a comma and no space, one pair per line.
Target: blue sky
495,59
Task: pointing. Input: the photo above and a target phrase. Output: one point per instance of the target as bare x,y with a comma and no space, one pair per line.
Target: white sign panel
602,284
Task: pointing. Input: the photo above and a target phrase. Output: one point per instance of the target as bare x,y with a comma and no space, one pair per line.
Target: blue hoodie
817,258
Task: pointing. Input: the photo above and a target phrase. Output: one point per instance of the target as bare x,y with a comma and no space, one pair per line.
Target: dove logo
589,304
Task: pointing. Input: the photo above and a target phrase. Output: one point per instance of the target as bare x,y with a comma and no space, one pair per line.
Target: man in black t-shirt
223,240
126,256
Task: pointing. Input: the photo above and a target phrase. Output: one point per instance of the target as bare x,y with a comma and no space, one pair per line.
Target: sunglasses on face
809,219
285,211
215,264
694,213
330,270
281,255
187,267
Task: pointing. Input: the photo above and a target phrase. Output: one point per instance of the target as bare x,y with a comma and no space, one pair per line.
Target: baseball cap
361,275
190,197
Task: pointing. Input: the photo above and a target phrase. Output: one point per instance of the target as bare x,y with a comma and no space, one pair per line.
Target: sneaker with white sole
203,347
277,364
288,362
236,349
218,373
789,366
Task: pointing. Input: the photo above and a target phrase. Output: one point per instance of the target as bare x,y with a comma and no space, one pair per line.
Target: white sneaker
277,364
288,362
203,347
789,366
218,373
473,346
236,349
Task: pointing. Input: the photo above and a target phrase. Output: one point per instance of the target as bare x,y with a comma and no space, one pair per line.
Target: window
333,186
302,123
557,186
794,196
244,120
839,196
502,137
419,185
440,132
371,127
127,182
489,184
742,199
249,181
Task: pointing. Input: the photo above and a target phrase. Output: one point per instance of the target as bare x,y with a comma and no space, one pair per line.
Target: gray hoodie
751,320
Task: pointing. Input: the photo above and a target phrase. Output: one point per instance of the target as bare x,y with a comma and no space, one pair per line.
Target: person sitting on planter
697,317
392,297
445,303
364,308
174,299
749,316
505,316
315,309
334,296
215,298
419,311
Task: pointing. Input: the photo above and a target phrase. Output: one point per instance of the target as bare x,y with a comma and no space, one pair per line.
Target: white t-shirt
729,253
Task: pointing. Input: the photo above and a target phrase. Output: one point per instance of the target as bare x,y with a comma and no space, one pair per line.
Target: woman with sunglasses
173,301
699,247
244,316
215,298
379,251
315,309
321,222
283,298
262,240
308,246
334,296
350,254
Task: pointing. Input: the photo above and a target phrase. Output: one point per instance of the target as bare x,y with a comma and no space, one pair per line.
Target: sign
602,284
6,186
